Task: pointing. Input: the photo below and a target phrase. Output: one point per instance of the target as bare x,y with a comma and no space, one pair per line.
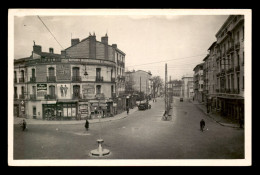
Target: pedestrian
24,125
87,124
202,125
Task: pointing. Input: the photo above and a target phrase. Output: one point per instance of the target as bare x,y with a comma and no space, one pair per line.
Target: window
237,36
243,85
15,92
238,59
34,90
75,71
52,91
15,75
98,72
76,90
33,72
98,89
238,87
51,71
34,111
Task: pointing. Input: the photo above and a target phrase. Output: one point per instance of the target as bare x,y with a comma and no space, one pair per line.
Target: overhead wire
49,31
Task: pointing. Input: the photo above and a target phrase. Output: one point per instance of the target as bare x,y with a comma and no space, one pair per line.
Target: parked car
142,106
181,99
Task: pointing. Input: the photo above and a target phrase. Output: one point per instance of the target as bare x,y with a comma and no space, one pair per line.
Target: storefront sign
63,91
83,109
63,72
41,90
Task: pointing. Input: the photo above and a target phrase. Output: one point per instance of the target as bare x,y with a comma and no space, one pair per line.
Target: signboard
41,90
88,91
63,91
63,72
41,73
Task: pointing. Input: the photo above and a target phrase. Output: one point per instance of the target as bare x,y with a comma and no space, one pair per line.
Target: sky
149,42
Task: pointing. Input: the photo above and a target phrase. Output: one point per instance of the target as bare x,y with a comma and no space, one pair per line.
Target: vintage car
142,106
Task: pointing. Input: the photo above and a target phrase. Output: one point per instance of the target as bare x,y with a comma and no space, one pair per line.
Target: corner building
78,83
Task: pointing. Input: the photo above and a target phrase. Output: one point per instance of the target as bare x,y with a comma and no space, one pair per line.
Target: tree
156,83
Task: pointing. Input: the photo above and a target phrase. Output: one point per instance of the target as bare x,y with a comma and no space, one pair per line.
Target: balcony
99,79
21,96
21,80
51,79
237,46
32,96
230,70
33,79
15,80
238,68
228,91
113,79
50,97
76,78
15,96
76,96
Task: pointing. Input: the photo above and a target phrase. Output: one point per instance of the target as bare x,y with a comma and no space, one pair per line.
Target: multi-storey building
230,67
80,80
176,87
187,83
198,82
142,81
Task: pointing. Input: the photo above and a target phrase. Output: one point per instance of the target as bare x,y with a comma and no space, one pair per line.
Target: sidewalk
44,122
215,116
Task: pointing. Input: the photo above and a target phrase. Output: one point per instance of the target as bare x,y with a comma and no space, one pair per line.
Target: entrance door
34,112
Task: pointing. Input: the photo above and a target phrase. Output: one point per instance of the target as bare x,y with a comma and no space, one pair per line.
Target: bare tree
156,83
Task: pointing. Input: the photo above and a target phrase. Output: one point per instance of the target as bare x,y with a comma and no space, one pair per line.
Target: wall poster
64,91
41,90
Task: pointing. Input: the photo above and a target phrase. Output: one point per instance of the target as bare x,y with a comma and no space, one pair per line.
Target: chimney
104,39
92,46
114,45
74,41
51,50
63,53
37,48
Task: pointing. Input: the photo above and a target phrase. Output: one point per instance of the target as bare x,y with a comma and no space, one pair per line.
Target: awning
100,104
66,101
231,98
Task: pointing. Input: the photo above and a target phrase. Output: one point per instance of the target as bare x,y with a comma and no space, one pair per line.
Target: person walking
127,110
202,125
24,125
87,124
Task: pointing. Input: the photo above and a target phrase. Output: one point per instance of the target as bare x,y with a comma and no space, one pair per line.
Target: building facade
186,90
229,51
198,83
142,81
78,83
176,87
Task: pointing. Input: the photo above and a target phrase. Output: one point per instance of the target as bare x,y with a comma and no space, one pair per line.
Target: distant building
146,84
176,87
187,87
198,82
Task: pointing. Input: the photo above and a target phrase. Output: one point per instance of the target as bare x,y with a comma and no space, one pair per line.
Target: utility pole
166,106
140,89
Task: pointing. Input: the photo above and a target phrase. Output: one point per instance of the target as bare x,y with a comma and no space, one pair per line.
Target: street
141,135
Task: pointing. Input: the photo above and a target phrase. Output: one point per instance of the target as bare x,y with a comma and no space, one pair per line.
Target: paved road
142,135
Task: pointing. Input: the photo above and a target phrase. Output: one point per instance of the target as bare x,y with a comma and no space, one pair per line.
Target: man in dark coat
127,110
202,125
24,125
87,124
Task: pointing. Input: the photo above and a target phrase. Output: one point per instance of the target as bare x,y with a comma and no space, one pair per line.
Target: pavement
18,120
224,121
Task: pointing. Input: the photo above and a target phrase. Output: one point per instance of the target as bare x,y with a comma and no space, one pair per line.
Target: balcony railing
50,97
33,79
237,68
21,96
76,78
99,79
21,80
237,46
51,79
32,96
77,96
15,80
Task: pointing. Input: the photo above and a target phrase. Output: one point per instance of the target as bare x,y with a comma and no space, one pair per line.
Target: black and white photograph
129,87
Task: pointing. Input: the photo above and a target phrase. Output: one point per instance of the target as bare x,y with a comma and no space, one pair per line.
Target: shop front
60,111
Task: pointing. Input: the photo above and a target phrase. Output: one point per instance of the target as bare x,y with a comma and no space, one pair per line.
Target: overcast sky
183,40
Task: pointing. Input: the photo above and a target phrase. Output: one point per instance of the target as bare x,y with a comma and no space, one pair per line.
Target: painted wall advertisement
63,91
41,90
88,91
41,73
63,72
